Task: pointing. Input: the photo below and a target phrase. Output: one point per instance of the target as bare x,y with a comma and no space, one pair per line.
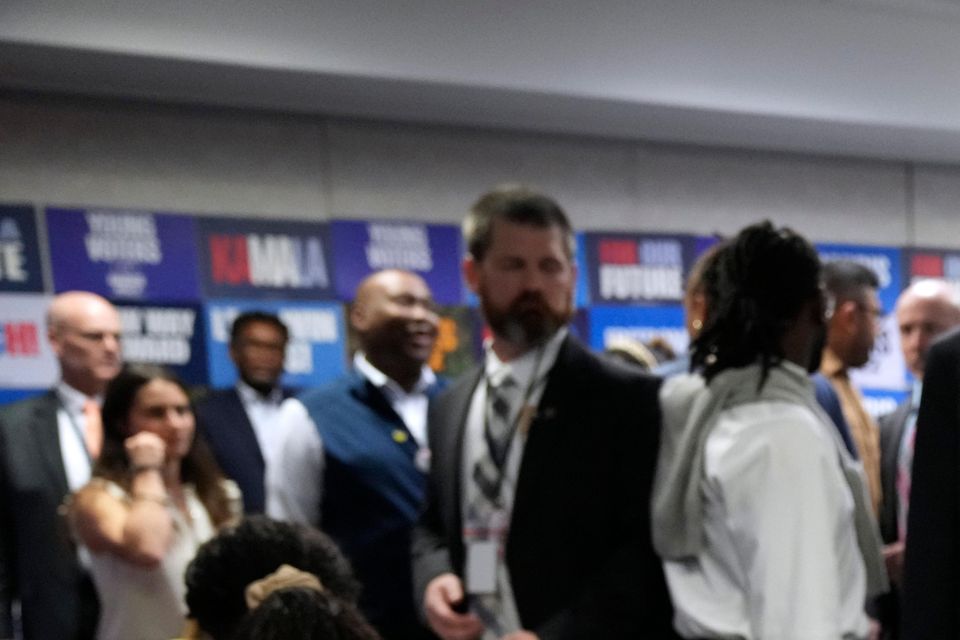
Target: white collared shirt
530,372
71,426
295,486
263,412
410,406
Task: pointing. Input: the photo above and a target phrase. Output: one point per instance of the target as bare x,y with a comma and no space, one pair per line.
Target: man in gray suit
48,445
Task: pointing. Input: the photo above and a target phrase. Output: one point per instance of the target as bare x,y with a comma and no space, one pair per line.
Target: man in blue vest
355,455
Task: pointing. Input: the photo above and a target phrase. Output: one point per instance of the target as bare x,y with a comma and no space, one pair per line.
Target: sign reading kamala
20,266
627,268
124,255
885,370
265,258
317,350
26,360
432,250
165,335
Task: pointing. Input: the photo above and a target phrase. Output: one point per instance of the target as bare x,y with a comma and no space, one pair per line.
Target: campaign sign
630,268
20,263
243,257
124,255
919,264
608,324
26,359
885,371
168,335
316,353
431,250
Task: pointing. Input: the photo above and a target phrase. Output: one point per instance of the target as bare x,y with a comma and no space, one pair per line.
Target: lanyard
525,413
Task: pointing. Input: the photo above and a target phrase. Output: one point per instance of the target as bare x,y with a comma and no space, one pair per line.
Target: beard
528,321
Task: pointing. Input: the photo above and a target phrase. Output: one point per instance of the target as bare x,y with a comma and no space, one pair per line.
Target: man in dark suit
537,523
47,447
930,467
355,450
239,423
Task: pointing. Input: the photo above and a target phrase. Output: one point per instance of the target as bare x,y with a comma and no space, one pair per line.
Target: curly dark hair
757,285
223,567
304,614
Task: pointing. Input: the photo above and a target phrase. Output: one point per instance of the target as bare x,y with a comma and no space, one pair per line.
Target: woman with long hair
155,497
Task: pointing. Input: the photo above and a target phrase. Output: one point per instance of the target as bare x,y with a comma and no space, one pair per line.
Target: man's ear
358,316
471,273
845,317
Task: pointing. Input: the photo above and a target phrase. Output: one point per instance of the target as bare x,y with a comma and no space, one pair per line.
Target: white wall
206,160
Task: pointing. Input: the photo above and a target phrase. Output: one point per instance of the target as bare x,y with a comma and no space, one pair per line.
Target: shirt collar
831,366
521,369
73,400
249,395
380,380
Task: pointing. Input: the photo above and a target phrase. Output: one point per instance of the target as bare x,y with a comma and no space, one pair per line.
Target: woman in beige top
156,496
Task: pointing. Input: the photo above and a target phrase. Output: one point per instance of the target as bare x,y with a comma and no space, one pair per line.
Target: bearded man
537,523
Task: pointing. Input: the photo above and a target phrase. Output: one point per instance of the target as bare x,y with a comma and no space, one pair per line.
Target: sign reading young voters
124,254
168,335
20,262
432,250
885,371
26,359
630,268
610,324
316,352
256,258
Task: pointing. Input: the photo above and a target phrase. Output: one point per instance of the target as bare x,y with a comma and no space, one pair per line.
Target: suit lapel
245,434
446,443
46,435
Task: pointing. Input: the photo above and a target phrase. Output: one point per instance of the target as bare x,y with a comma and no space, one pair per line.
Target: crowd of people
740,490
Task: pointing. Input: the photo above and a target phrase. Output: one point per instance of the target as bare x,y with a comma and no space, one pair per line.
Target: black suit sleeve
931,578
7,573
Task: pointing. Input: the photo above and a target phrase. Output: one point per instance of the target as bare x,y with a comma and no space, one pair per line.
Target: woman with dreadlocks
759,512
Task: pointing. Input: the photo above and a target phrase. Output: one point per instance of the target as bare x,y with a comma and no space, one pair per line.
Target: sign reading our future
629,268
124,255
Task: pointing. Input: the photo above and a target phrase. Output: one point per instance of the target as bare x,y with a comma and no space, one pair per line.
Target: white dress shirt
71,425
530,372
780,559
263,412
295,483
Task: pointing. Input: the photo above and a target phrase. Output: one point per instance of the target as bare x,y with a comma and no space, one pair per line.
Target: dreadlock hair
758,284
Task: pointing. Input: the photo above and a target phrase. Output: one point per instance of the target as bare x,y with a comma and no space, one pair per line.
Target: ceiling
866,78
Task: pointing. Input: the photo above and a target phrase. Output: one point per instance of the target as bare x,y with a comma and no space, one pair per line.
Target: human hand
520,635
443,593
893,557
145,449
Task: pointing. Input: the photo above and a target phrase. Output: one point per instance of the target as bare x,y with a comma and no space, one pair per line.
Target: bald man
355,455
47,447
924,311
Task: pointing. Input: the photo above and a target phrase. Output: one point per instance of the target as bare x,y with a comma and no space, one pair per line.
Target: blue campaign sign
638,323
167,335
316,353
638,268
885,371
248,258
432,250
123,254
21,268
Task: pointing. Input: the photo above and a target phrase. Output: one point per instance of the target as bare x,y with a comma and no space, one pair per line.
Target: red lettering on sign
21,339
618,252
926,265
228,259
